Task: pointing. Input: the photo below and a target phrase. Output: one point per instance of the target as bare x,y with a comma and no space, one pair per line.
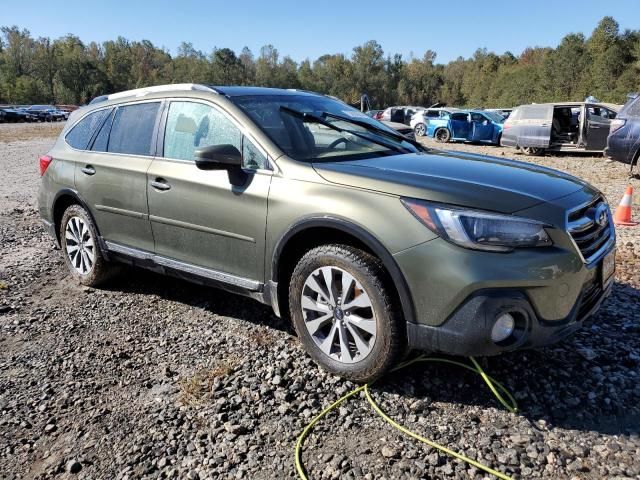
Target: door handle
88,170
160,184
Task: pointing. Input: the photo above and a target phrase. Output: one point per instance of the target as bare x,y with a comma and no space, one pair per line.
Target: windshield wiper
373,128
309,117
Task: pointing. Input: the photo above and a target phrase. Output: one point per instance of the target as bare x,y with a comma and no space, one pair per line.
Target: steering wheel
337,142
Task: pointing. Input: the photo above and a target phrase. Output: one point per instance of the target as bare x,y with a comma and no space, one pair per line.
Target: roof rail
141,92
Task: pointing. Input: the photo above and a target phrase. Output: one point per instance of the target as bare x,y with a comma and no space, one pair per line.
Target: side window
537,112
132,129
478,118
598,114
461,117
252,157
102,139
81,134
191,125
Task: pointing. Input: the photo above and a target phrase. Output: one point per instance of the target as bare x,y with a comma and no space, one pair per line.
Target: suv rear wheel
343,313
420,130
79,241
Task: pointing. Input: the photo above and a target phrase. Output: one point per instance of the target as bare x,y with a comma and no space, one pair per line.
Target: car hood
462,179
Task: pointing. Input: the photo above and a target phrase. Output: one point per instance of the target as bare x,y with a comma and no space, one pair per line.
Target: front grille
590,227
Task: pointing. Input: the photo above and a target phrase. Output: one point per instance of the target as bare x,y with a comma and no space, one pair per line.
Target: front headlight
478,230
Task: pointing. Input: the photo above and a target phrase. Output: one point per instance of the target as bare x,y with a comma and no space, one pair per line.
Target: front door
214,219
598,123
112,176
460,127
481,128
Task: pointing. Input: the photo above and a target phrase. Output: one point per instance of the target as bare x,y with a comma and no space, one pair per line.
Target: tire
420,130
442,135
375,341
531,151
88,266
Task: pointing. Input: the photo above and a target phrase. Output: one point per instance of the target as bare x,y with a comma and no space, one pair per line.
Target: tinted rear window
81,134
132,129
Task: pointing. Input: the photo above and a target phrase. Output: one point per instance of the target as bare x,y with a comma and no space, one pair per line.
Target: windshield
494,116
330,130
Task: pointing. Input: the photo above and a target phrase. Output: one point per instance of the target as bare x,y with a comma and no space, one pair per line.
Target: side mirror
215,157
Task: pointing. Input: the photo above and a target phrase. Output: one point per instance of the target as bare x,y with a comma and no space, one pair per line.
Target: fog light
502,328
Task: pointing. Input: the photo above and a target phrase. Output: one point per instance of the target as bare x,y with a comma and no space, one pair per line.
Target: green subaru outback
370,243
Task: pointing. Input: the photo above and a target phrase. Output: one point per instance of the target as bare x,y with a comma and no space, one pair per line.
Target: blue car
467,126
623,143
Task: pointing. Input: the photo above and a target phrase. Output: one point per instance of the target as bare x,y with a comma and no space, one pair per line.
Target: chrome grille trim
590,239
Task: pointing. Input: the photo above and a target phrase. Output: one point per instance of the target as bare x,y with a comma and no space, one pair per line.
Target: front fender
363,235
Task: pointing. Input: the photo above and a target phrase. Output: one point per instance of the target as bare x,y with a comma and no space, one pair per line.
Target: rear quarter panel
434,124
59,175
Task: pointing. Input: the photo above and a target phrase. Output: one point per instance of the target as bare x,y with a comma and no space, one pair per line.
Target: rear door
532,128
213,219
460,126
112,176
481,128
598,124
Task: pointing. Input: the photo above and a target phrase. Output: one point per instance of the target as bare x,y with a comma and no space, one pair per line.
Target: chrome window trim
212,274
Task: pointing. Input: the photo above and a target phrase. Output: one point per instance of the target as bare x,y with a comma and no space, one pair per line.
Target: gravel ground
151,377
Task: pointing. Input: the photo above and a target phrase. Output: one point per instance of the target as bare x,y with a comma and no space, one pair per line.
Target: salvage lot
154,377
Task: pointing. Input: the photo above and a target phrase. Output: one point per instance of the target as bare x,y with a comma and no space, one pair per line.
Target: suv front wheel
343,313
79,241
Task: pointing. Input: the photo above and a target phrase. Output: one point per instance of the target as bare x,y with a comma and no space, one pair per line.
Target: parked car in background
11,115
58,115
399,114
46,113
467,126
400,128
505,112
420,119
560,127
16,114
373,113
623,142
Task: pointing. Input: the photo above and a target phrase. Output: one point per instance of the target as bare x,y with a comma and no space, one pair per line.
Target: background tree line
66,70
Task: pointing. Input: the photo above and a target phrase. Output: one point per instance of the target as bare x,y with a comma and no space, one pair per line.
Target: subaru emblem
600,215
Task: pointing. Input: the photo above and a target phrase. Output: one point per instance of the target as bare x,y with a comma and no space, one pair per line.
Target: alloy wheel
442,135
420,130
338,314
79,245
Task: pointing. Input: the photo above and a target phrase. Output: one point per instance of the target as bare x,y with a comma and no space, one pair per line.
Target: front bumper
458,294
468,331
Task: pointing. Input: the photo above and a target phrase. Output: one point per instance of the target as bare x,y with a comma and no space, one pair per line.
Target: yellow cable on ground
493,384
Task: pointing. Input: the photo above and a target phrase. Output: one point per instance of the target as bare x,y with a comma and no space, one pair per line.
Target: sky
304,29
